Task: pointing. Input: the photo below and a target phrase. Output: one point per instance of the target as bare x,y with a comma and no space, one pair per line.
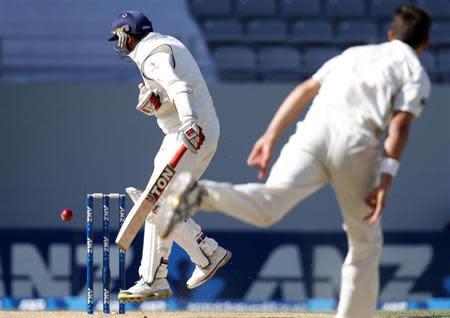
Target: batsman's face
123,48
122,53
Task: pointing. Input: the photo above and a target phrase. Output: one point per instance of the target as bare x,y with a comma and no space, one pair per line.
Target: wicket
106,274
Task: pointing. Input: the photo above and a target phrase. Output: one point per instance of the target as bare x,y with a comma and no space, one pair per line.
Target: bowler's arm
292,106
288,111
398,134
394,145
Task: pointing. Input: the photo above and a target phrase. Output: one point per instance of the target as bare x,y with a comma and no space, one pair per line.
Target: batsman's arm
289,110
161,68
394,145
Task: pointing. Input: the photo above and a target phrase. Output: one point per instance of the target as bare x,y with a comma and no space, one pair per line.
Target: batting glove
192,136
149,100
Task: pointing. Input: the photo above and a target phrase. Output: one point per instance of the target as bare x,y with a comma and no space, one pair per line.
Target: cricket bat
147,201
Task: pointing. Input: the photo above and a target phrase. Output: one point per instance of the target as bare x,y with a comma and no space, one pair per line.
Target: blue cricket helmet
132,22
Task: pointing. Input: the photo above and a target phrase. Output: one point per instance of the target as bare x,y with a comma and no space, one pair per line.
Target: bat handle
178,155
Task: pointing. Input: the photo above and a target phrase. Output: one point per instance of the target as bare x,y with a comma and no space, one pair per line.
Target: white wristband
389,166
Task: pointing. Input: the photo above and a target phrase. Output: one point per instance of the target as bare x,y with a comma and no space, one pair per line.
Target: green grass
414,314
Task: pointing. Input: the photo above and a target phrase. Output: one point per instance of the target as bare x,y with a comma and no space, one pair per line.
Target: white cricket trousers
326,147
188,235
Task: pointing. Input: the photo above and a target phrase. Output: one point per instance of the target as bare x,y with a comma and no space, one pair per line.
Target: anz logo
33,275
283,273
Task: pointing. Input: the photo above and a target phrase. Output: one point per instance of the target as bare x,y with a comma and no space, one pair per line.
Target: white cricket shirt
368,83
168,66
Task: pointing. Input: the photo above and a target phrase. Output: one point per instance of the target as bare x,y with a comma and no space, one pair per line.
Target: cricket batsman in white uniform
174,91
356,95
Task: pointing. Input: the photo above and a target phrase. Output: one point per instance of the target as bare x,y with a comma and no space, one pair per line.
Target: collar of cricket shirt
405,46
133,54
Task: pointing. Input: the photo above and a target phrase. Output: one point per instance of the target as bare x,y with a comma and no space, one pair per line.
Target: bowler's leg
295,175
353,175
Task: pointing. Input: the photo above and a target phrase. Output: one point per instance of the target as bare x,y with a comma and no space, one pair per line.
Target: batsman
174,91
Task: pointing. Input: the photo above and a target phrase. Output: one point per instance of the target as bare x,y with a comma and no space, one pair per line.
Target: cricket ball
66,215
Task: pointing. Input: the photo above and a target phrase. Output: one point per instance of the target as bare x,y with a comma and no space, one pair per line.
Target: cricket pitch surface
172,314
192,314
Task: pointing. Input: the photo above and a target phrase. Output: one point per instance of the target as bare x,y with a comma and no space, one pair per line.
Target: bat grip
178,155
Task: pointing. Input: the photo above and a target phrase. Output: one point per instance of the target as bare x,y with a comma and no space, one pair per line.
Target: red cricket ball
66,215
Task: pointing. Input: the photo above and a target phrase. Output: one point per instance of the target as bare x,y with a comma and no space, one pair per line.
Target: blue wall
60,142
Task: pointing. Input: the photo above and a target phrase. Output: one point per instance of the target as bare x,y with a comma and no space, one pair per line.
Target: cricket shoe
184,197
202,274
142,291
